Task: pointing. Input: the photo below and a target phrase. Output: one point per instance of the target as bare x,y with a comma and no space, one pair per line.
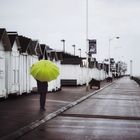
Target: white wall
2,74
81,73
12,70
33,83
55,84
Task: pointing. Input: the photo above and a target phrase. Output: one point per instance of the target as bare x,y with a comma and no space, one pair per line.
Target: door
2,74
14,72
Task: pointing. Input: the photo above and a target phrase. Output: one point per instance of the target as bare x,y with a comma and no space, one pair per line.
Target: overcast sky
49,21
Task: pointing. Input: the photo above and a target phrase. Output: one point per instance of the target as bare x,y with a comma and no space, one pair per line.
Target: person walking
42,88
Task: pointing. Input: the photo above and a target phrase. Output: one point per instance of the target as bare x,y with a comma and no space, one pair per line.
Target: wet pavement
22,111
113,113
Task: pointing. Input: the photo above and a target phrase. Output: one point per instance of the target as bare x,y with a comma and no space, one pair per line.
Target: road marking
101,116
48,100
59,101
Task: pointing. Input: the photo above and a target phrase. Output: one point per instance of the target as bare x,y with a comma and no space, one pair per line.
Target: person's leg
42,100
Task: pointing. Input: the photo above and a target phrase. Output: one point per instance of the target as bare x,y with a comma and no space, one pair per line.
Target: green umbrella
44,70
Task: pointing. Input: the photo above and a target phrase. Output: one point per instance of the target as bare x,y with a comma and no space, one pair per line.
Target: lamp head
63,40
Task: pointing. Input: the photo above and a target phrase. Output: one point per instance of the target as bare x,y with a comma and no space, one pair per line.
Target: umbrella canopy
44,70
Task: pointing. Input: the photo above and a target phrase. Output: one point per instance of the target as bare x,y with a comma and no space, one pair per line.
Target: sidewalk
19,112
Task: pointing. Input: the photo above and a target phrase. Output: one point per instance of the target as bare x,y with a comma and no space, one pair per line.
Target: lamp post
87,47
110,39
131,69
63,45
74,48
80,51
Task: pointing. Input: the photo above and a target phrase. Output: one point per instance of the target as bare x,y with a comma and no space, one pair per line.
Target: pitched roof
24,44
47,52
38,49
32,47
12,37
43,48
73,61
5,39
1,32
67,58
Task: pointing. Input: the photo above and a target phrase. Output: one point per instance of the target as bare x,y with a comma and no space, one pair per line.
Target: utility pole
80,52
63,45
110,39
87,47
131,69
74,49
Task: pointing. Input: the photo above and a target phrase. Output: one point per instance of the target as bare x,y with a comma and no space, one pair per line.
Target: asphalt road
111,114
21,114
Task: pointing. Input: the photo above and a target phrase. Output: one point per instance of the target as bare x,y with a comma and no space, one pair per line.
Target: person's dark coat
42,86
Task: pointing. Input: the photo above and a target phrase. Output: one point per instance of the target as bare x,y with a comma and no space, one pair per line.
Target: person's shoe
42,109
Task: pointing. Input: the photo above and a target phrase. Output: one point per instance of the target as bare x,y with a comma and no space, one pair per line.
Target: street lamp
110,39
131,69
87,47
74,48
63,45
80,51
